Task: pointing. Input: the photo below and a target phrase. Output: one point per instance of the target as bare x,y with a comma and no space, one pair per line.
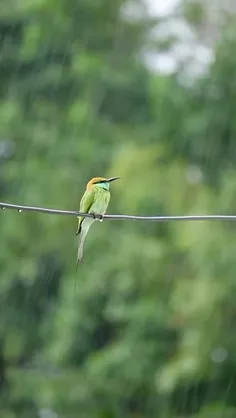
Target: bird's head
100,182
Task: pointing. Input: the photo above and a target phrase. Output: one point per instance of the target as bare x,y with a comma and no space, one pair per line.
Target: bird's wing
85,204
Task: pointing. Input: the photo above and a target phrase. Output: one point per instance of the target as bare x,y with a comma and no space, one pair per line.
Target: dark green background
150,329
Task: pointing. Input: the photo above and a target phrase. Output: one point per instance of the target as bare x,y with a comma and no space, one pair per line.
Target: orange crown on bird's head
95,180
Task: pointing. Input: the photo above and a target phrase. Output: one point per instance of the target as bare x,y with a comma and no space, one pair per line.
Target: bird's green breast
101,200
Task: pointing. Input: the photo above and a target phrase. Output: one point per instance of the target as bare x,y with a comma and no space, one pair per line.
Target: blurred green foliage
149,330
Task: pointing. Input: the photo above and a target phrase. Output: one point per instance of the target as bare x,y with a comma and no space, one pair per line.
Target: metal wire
21,208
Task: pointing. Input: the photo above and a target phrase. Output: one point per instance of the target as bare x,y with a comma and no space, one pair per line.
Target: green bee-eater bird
95,201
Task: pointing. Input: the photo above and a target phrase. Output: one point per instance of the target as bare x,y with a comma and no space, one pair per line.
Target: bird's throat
103,185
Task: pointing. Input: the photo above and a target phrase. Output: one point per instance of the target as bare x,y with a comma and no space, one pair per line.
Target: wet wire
21,208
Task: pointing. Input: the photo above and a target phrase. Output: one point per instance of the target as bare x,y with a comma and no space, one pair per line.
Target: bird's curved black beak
112,179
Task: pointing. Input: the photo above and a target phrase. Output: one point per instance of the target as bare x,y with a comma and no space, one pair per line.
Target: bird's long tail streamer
82,235
79,256
80,247
75,278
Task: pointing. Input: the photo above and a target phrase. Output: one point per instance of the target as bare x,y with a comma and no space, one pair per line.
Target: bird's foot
98,217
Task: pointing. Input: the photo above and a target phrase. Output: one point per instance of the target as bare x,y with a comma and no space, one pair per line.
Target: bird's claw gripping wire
98,217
